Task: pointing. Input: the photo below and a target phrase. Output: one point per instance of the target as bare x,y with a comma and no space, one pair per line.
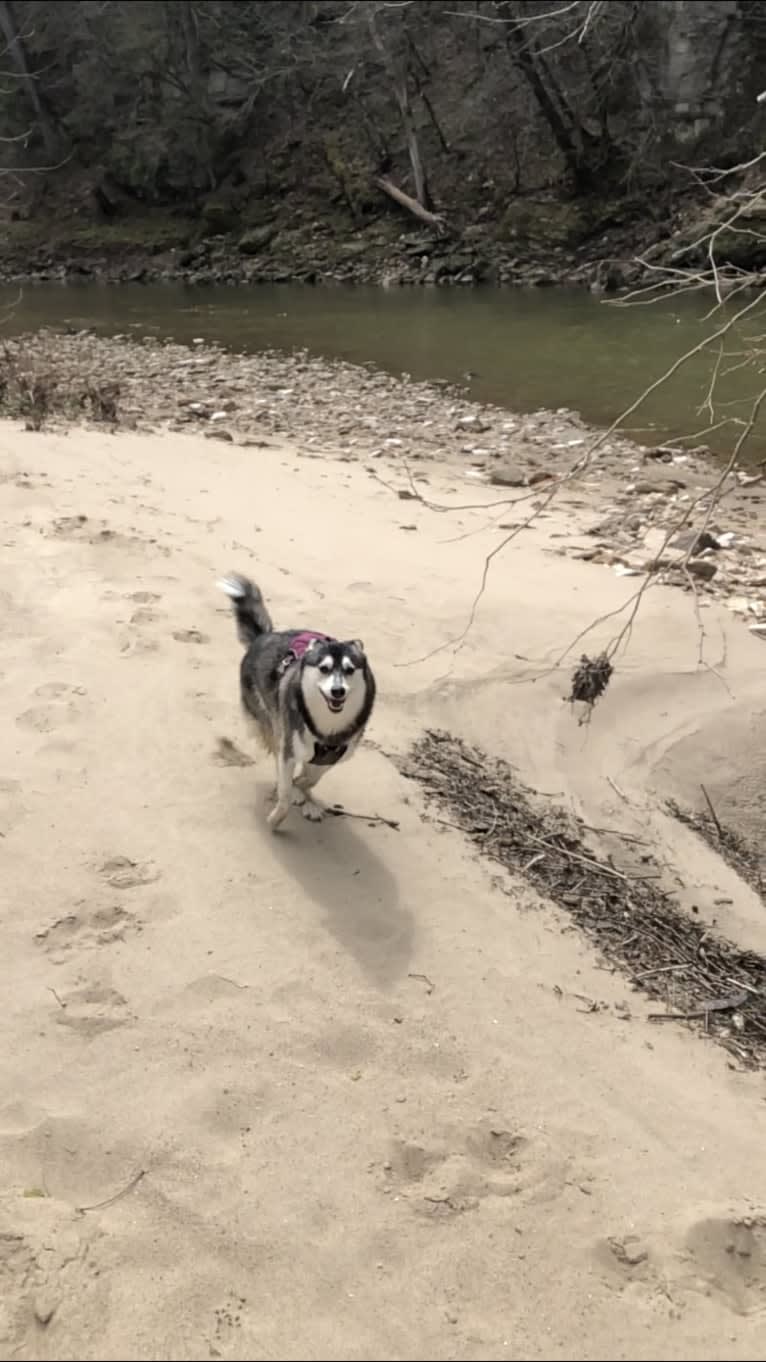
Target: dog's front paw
312,811
277,816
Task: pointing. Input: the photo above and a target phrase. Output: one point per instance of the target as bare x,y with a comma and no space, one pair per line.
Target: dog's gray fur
309,710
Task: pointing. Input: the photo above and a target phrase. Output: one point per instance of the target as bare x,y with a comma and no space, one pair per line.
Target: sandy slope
338,1162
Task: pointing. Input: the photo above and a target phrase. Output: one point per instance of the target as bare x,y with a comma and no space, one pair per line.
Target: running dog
309,696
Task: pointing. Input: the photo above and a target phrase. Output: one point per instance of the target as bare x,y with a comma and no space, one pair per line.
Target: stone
692,542
704,568
472,422
256,240
508,475
666,486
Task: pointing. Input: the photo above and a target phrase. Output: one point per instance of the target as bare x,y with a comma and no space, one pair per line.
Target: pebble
508,475
702,567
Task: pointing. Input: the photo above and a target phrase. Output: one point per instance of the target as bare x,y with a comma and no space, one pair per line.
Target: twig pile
669,956
590,679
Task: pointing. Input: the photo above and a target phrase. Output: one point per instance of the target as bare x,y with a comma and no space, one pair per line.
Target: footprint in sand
623,1260
64,709
92,1010
12,808
468,1166
145,615
190,636
60,1158
67,526
228,754
46,1260
143,597
720,1257
99,534
54,690
725,1257
87,930
122,873
135,647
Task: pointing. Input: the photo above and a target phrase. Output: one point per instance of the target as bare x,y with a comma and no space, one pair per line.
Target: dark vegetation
501,130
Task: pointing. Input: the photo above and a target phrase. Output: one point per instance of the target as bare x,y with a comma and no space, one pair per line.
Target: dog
309,695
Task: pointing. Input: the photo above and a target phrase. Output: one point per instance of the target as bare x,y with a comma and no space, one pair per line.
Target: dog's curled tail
250,612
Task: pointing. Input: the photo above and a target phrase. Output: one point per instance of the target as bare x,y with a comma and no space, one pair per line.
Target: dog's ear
358,646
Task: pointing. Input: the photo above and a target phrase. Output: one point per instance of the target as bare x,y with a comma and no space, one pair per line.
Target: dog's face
336,670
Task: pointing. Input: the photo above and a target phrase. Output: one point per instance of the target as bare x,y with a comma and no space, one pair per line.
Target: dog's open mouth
335,705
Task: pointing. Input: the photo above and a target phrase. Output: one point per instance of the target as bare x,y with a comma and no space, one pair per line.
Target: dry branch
406,201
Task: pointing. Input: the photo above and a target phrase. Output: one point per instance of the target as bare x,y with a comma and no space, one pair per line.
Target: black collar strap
327,753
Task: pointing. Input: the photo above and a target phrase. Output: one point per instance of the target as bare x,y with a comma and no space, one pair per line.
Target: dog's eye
348,666
326,665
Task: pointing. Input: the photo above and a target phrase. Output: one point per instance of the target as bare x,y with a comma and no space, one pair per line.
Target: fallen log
406,201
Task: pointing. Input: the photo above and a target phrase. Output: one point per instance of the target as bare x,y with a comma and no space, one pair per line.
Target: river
520,348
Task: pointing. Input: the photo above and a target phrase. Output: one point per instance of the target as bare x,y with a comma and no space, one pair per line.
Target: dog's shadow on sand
335,864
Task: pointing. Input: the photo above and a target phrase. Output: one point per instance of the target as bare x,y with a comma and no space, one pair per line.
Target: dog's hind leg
303,785
285,772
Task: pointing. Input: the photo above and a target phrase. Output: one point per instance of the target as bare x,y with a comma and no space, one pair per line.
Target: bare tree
395,61
16,50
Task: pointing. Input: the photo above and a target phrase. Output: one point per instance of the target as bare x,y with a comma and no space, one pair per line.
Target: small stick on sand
617,789
659,969
424,979
338,811
702,1013
110,1200
713,813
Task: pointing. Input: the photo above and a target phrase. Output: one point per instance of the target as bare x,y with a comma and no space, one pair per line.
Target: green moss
547,222
352,174
221,215
150,235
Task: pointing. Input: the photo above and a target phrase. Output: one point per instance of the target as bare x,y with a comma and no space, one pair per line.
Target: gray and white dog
309,695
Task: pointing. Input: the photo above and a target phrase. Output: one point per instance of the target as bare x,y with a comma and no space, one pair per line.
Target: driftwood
406,201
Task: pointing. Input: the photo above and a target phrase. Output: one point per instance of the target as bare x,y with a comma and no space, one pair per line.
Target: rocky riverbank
535,242
387,253
663,512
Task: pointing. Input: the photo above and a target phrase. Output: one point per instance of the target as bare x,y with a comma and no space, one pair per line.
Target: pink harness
300,645
302,642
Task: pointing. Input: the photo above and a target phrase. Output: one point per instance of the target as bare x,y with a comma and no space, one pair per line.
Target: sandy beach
349,1092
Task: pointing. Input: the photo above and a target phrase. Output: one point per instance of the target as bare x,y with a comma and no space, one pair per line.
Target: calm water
522,349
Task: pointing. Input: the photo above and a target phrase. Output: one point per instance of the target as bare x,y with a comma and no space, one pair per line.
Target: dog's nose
338,692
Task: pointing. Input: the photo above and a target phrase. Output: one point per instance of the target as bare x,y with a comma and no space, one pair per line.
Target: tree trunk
17,54
398,75
523,57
